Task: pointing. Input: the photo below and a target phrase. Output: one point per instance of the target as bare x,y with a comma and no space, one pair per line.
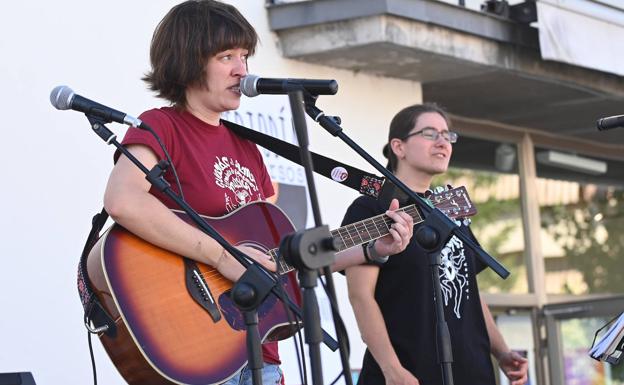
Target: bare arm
361,282
511,363
129,203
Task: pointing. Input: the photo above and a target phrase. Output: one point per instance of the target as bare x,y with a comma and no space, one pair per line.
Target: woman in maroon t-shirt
198,56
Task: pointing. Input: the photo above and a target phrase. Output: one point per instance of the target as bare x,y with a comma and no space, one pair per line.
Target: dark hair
186,38
403,122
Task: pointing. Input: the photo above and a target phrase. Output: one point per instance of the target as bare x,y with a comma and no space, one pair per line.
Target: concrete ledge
458,55
308,13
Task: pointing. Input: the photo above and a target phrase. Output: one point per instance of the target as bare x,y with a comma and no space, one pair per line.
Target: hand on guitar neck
394,239
400,232
231,269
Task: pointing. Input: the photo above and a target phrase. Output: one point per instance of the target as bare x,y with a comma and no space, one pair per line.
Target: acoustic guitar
175,320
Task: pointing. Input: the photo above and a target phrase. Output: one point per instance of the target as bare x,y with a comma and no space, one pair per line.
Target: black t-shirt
404,292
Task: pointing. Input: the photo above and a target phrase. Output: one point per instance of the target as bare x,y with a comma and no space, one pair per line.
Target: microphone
610,122
64,98
252,85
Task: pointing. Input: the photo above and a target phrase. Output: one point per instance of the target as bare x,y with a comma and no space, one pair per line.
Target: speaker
23,378
524,12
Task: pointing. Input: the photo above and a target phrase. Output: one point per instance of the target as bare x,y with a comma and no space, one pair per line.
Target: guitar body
172,328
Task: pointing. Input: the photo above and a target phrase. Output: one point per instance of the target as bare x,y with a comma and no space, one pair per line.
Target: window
582,217
570,328
488,170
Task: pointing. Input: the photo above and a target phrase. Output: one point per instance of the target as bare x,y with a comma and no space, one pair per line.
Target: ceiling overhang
475,64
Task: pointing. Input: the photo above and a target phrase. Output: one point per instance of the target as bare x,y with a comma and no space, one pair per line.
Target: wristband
371,255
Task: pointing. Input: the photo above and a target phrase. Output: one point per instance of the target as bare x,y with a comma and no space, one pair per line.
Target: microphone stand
255,283
248,294
309,251
434,232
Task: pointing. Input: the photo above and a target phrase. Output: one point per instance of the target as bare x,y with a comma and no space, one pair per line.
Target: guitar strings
371,227
378,220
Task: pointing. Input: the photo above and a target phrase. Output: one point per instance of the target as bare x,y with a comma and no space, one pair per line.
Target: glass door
570,329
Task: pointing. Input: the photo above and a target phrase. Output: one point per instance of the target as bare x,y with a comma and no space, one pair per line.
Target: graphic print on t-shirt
454,274
239,183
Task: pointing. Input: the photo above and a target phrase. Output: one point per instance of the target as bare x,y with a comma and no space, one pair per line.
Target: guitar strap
94,312
361,181
365,183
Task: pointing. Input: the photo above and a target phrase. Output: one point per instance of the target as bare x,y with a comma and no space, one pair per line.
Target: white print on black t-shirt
239,182
454,274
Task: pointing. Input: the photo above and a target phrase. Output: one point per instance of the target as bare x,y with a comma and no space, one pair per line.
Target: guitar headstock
453,202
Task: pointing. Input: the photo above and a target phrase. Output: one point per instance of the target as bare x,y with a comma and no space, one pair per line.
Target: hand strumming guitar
231,269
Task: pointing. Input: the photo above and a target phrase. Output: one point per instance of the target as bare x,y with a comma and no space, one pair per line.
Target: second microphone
252,85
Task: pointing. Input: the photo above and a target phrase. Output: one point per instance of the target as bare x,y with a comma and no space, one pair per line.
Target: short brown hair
403,122
186,38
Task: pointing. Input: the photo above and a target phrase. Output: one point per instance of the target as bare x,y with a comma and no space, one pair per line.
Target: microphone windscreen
61,97
248,86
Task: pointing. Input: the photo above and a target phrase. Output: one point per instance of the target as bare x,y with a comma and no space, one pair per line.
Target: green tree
590,232
504,214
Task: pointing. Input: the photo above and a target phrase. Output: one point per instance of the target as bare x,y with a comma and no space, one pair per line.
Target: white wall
55,168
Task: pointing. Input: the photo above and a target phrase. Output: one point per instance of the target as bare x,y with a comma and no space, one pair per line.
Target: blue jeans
271,375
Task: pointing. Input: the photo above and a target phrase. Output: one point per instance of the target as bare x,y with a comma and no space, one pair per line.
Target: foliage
590,232
505,215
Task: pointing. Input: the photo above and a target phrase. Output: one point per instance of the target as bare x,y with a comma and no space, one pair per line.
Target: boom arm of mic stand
330,125
155,177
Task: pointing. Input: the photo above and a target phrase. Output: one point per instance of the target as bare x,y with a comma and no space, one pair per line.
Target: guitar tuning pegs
449,186
467,222
428,193
439,189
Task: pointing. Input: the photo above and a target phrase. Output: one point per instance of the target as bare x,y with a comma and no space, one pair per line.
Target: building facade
547,184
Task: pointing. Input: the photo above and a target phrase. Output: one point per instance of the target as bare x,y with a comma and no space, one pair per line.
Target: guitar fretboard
357,233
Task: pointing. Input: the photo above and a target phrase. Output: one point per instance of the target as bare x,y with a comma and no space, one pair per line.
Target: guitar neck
357,233
369,229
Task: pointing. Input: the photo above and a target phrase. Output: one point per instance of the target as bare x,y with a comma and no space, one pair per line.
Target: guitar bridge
199,290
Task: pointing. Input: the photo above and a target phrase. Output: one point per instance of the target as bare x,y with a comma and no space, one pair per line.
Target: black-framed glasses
431,133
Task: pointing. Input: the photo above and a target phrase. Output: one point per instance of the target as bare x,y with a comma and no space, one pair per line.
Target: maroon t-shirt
218,170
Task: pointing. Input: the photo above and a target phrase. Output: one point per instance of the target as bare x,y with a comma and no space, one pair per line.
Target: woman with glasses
393,302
